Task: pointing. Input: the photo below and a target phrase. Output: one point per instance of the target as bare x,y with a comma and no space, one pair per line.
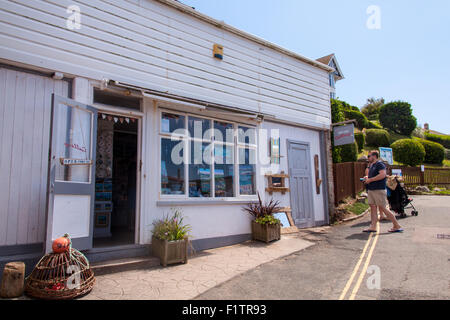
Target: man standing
376,185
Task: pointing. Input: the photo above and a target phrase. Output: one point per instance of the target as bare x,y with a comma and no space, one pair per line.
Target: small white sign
422,168
397,172
71,162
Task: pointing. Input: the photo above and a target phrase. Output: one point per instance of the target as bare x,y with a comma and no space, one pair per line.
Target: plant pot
170,252
266,232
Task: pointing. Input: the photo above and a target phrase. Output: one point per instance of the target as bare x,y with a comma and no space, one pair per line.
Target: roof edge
221,24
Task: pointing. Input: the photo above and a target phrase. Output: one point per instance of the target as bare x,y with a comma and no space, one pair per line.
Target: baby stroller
398,198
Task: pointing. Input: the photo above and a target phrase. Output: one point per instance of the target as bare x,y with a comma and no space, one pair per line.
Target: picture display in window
223,132
247,135
200,170
172,167
199,128
173,122
224,170
247,171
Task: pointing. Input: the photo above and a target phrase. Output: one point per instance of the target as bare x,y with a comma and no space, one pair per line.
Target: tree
397,116
372,107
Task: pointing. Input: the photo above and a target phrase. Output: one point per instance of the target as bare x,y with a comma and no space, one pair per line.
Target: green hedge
442,139
360,140
408,151
373,125
361,120
434,152
377,138
349,152
447,154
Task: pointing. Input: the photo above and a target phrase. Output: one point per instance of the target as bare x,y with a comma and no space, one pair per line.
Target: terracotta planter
266,232
170,252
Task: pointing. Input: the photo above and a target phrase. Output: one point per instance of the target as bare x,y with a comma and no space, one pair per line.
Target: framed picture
287,223
102,219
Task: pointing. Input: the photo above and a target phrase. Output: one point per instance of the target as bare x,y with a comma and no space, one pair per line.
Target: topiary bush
349,152
434,152
373,125
377,138
361,120
447,154
360,140
442,139
408,151
397,116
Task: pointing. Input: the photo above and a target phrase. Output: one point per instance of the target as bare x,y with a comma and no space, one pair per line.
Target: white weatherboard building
91,92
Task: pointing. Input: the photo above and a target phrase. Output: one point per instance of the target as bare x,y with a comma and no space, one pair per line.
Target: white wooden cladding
149,44
25,104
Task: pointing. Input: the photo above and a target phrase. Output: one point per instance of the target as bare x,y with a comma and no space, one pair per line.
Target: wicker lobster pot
266,232
170,252
49,279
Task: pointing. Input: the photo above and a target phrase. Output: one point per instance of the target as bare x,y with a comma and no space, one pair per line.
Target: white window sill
200,202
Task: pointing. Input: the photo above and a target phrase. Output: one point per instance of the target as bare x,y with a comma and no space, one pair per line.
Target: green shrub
360,140
373,125
447,154
337,111
377,138
349,152
439,138
408,151
397,116
361,120
372,107
337,115
374,116
434,152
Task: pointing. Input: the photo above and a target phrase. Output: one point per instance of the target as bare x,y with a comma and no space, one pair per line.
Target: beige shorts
378,197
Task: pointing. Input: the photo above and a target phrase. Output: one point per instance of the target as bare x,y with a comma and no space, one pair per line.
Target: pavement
205,270
348,264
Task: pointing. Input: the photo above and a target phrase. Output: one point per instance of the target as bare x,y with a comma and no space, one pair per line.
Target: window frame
187,139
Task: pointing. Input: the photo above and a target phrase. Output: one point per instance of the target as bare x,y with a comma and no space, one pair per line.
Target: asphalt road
410,265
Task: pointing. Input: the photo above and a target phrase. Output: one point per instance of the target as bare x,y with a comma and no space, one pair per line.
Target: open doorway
116,181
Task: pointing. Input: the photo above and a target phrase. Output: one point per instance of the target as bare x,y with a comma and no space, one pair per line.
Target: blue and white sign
386,155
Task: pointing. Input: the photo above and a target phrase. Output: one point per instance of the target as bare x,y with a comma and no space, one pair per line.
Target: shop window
172,167
247,171
224,170
210,162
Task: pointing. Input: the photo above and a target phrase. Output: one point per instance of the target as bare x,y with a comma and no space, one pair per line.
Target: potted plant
170,239
265,227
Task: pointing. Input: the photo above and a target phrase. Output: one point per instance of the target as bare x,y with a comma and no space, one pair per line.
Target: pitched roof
330,60
326,60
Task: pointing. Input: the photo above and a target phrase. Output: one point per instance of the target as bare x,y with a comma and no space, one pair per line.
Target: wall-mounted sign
218,51
344,134
386,155
275,150
72,162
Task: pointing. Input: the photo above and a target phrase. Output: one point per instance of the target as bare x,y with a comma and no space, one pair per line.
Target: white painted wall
217,220
25,103
304,135
149,44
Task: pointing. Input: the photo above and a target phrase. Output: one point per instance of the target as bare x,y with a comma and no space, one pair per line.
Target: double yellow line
358,264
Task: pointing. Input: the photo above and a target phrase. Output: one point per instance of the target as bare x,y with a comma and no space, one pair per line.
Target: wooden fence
347,175
346,179
413,176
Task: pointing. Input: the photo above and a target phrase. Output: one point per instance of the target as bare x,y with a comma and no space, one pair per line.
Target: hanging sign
71,162
386,155
344,134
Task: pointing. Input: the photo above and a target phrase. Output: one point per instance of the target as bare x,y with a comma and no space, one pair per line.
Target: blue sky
407,59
